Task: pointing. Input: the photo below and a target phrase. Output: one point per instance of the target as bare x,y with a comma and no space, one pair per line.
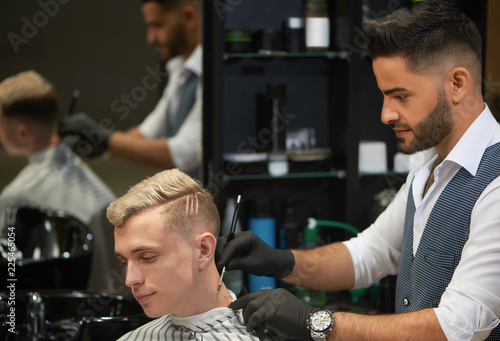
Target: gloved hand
249,253
91,137
278,310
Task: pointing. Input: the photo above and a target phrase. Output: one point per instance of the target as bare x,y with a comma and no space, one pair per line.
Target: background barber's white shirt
185,146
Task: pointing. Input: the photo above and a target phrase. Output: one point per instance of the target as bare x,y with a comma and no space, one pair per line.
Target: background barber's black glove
278,310
250,253
88,138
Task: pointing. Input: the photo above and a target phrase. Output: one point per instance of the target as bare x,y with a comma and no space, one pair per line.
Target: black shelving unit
333,91
326,90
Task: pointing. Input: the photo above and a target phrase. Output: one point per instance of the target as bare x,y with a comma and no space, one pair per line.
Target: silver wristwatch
320,323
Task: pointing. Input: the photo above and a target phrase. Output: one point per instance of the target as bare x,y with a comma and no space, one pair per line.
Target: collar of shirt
61,152
200,322
193,63
469,149
205,321
466,153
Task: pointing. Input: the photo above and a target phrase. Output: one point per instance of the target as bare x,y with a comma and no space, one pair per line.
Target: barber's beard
179,44
431,131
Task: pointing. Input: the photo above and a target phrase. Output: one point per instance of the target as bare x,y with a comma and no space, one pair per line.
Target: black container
295,35
269,40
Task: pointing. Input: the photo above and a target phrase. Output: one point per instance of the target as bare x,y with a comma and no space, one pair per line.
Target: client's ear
206,245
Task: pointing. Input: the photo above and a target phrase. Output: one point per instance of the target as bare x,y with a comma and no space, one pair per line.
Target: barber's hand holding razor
249,253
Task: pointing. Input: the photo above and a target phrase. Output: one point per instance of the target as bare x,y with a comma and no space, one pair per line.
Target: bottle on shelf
290,231
312,297
317,25
278,158
263,224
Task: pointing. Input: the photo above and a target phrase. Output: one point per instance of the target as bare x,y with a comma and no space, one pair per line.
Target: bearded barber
170,136
441,234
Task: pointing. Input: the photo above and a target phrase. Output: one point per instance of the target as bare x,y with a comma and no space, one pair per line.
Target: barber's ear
189,14
23,132
206,244
459,80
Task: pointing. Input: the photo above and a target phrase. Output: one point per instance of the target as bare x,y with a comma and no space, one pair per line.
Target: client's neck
208,294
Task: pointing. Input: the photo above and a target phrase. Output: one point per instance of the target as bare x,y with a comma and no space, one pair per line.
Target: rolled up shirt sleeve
376,251
470,307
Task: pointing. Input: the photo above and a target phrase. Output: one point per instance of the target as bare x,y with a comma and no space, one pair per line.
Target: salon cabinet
333,91
325,90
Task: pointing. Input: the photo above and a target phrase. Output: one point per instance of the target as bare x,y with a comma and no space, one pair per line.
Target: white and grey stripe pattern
423,279
220,324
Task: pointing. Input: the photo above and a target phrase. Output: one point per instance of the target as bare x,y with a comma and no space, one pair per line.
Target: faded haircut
426,33
28,95
186,205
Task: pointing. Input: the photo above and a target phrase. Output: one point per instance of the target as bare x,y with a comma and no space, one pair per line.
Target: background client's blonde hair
186,204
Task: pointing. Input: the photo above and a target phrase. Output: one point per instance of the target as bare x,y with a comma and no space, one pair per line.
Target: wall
97,47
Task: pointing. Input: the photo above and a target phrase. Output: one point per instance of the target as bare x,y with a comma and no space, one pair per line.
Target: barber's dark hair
170,5
424,33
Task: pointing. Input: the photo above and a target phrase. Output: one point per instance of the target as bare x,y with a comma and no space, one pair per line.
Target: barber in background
54,178
171,134
441,234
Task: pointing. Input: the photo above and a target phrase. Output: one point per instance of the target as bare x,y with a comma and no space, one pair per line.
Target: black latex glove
89,137
278,310
249,253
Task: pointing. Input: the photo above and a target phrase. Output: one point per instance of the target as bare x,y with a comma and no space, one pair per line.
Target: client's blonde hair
29,95
186,204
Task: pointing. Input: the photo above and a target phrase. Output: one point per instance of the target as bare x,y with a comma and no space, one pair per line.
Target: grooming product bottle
311,297
263,224
278,159
317,25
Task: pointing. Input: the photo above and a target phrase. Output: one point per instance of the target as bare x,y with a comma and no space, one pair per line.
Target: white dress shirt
185,146
470,306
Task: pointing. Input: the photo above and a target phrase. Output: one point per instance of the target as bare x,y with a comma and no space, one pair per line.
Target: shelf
340,174
309,54
388,173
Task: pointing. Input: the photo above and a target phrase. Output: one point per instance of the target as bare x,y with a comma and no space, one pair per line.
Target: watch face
321,320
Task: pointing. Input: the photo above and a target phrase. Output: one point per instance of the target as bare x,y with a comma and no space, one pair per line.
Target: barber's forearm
419,325
325,268
148,152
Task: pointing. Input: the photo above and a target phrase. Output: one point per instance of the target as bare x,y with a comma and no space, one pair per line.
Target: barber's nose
133,275
389,114
151,36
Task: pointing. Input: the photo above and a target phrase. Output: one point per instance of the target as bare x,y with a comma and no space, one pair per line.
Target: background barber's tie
186,96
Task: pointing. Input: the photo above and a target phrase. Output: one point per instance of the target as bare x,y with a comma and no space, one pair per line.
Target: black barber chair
52,249
52,258
69,315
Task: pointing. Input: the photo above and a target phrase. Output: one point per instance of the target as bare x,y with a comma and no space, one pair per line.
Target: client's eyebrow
137,249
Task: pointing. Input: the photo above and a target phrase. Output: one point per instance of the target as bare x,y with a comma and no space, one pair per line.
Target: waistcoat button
406,302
